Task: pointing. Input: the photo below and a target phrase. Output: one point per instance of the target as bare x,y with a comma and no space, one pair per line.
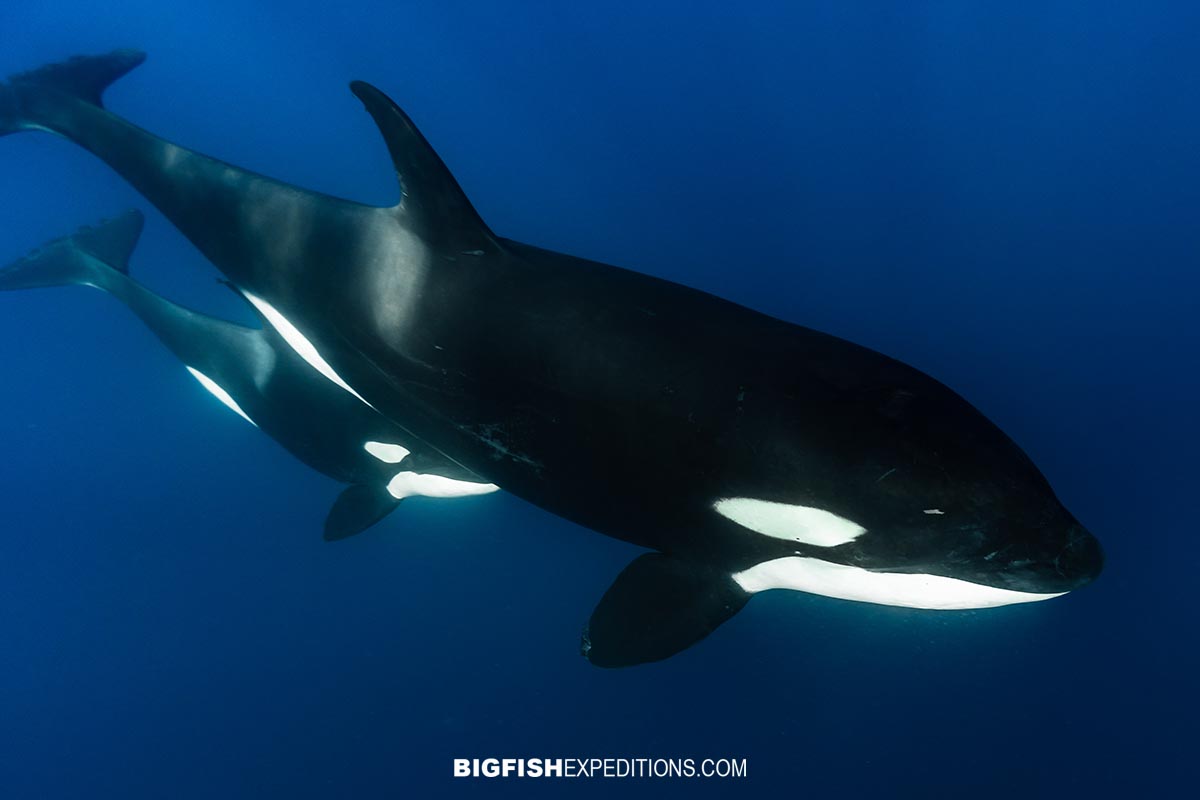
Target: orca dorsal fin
357,508
658,606
112,241
429,195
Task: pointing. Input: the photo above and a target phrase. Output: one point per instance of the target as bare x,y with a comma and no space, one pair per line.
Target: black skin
622,402
314,420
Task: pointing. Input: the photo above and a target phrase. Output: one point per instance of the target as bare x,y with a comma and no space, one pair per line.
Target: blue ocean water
1004,197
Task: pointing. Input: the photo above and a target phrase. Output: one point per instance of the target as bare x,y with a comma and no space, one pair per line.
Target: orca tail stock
88,257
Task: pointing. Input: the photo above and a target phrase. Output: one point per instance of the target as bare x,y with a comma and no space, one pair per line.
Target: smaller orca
256,374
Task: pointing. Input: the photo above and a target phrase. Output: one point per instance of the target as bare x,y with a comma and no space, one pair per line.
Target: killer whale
746,452
257,375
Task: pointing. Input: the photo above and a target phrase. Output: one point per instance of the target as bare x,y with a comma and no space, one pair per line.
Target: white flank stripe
885,588
219,393
794,523
299,342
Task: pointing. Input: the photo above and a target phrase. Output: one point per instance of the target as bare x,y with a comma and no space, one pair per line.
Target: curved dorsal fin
430,198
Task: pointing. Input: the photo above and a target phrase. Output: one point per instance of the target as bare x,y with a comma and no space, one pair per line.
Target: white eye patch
385,452
791,523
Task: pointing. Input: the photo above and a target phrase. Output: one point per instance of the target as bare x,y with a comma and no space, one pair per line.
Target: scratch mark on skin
489,435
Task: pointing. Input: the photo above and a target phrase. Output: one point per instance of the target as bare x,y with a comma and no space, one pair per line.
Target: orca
744,452
257,375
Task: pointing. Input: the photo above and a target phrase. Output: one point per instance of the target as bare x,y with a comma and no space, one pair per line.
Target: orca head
987,513
1039,550
917,501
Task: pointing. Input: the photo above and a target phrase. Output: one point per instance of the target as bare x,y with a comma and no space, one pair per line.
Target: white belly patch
416,484
885,588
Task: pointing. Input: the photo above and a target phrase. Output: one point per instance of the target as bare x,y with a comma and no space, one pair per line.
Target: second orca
255,374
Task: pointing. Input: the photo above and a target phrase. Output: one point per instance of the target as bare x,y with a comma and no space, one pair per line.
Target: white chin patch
387,453
299,342
789,522
413,484
885,588
219,393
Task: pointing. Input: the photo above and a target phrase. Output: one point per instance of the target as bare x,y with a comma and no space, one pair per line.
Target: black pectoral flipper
357,508
657,607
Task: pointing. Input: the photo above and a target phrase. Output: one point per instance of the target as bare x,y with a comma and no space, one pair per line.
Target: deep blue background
1005,197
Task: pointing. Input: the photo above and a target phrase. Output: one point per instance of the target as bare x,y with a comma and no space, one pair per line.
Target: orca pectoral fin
657,607
356,509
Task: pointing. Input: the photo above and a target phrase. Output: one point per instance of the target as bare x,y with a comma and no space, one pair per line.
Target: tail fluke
113,240
82,77
84,257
